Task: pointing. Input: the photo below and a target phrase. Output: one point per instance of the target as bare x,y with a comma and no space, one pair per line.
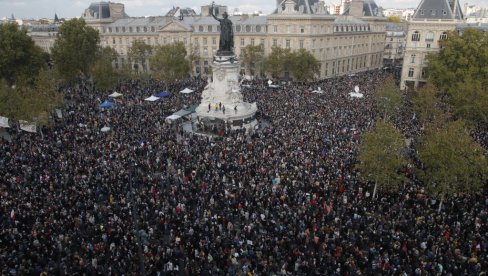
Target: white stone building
430,23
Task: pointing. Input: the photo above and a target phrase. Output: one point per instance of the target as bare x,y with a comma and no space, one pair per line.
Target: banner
59,113
4,122
25,126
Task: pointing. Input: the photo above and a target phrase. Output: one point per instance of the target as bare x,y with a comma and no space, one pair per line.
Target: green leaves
169,62
75,50
301,64
104,75
252,57
388,98
452,161
460,69
380,158
139,52
19,56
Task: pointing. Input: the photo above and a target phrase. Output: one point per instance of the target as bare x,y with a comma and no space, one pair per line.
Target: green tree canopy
169,62
426,104
460,69
75,50
139,52
103,73
252,57
380,157
451,161
30,101
304,65
388,98
19,56
278,61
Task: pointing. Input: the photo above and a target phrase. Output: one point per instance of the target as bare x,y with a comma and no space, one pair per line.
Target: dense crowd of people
146,198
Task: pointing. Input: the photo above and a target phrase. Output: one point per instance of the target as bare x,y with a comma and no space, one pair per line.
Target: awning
182,112
186,91
151,99
115,95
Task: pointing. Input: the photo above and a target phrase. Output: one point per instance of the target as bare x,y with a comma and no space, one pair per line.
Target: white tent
115,95
186,91
172,118
105,129
151,99
4,122
26,126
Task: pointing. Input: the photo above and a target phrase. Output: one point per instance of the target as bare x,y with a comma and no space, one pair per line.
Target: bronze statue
226,43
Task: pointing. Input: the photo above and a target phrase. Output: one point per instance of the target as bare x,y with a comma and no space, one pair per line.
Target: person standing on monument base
226,43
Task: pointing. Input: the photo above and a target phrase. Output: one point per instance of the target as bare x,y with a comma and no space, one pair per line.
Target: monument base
222,99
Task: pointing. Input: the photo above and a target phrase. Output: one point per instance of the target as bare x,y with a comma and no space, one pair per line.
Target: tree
139,53
460,69
394,19
193,56
168,62
103,73
304,65
388,98
19,56
425,104
278,61
380,157
30,101
451,161
252,58
75,50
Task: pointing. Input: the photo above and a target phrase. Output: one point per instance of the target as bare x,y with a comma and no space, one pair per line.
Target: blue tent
107,104
163,94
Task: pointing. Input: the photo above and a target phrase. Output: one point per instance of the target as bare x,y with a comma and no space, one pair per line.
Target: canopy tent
115,95
107,104
151,99
163,94
4,122
172,118
186,91
192,108
182,112
105,129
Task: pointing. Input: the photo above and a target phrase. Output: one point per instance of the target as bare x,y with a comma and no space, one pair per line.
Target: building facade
395,43
431,23
343,44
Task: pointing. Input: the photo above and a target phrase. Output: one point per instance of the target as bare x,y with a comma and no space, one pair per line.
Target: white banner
4,122
25,126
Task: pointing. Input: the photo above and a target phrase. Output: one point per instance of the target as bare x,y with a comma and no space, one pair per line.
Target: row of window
429,37
355,28
433,12
130,29
237,28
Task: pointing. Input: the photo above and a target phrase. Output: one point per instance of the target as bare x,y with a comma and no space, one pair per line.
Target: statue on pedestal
226,43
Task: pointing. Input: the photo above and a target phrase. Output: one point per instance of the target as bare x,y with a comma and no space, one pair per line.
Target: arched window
238,28
248,29
145,29
200,28
416,36
412,58
209,28
429,37
152,29
443,36
258,29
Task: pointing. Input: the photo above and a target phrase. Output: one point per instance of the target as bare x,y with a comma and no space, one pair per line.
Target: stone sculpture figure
226,43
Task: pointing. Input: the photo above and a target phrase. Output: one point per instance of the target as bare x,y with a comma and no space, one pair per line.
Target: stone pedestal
222,99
